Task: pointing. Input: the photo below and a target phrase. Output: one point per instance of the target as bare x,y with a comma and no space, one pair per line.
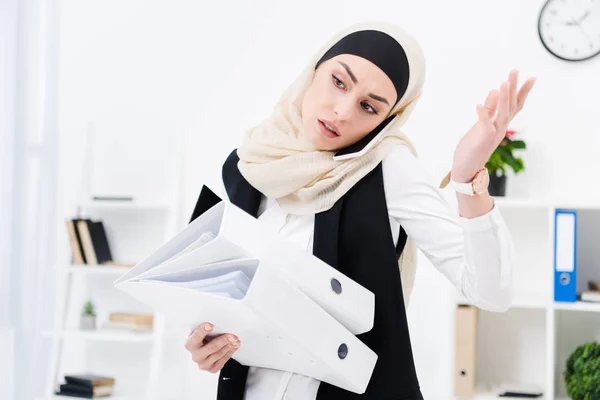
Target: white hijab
278,160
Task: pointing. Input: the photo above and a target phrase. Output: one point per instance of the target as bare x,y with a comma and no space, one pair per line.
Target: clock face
570,29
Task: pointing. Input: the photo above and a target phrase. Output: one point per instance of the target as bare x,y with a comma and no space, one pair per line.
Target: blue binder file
565,256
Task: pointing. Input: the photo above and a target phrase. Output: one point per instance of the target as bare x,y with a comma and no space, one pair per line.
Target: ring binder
565,255
291,311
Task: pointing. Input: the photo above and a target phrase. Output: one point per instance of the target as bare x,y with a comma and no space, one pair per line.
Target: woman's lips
325,131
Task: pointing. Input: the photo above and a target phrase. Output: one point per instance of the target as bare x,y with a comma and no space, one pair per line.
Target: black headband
379,48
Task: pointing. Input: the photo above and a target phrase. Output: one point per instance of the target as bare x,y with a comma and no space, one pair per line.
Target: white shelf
578,306
110,335
531,301
491,392
113,397
515,202
525,203
124,205
98,269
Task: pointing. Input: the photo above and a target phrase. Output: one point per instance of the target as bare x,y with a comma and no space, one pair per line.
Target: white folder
291,311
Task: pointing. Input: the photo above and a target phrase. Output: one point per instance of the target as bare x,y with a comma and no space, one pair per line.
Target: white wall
212,69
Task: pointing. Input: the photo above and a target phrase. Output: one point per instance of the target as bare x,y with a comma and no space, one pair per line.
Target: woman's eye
368,108
337,82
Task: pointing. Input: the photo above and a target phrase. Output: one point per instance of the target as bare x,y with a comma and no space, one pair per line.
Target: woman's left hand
477,145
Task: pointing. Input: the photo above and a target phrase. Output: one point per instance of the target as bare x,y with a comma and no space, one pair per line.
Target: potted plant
582,374
88,317
501,159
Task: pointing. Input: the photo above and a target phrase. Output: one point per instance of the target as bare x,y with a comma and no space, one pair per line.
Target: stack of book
130,321
89,244
87,386
593,293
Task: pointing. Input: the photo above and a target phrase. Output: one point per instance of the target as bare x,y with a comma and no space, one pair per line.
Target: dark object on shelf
87,386
594,286
521,395
89,242
497,185
90,380
111,198
582,374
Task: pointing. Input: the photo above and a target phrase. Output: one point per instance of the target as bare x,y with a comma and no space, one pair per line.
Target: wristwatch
478,185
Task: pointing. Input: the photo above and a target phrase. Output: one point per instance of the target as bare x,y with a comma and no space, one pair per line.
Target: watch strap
465,188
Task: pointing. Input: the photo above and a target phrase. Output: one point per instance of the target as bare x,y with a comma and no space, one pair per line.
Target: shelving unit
134,358
529,344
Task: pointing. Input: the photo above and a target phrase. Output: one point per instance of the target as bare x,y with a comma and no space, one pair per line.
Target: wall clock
570,29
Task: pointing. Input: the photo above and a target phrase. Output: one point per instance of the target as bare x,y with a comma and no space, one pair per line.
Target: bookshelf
133,358
529,344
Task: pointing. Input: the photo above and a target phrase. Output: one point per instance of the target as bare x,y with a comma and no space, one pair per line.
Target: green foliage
88,309
582,375
503,157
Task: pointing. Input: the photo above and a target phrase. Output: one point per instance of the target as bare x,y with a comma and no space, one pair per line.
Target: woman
332,171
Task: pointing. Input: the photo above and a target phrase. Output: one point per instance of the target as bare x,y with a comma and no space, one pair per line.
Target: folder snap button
342,351
336,286
564,279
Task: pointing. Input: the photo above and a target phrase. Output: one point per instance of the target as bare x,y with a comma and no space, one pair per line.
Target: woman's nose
343,109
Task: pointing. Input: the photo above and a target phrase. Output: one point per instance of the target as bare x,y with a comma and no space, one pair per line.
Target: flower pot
87,322
497,185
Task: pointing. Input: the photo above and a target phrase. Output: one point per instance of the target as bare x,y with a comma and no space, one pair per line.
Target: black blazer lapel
326,234
206,200
239,190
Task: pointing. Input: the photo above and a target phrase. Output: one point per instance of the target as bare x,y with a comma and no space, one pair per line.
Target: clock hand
586,34
571,23
587,13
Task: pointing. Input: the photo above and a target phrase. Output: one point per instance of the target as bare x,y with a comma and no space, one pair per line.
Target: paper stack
291,311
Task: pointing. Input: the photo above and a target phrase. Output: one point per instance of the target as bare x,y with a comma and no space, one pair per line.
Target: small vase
497,185
87,322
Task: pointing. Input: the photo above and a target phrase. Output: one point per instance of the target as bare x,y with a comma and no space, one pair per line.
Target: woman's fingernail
231,339
236,344
208,327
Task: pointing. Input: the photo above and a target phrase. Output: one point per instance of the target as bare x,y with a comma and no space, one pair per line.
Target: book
291,311
94,241
592,296
89,380
77,390
89,242
75,242
130,321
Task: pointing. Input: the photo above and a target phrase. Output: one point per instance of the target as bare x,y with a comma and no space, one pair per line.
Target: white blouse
476,254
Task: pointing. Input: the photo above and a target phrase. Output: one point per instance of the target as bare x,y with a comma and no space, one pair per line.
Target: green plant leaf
582,372
88,309
508,158
518,144
520,164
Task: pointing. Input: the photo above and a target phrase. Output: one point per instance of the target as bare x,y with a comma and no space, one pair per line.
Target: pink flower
510,133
